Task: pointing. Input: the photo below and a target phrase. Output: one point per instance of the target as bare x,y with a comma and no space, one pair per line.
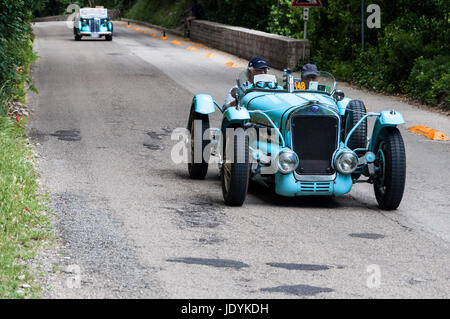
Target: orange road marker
209,55
153,35
164,38
128,26
430,133
136,28
177,42
144,32
192,49
231,65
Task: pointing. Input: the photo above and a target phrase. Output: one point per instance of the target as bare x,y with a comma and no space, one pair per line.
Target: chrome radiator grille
94,25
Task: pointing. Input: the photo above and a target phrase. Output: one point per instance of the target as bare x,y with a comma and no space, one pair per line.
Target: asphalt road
133,225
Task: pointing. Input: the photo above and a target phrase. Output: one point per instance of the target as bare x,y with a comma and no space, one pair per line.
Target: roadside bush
429,81
16,51
159,12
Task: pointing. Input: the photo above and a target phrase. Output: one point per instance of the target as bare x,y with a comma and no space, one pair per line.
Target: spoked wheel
197,162
353,114
235,169
390,168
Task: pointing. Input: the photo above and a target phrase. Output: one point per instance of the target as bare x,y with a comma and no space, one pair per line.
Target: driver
256,65
309,73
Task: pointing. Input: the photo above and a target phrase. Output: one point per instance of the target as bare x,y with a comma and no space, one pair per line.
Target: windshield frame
245,86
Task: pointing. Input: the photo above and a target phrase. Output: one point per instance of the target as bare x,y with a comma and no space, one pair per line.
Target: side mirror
339,95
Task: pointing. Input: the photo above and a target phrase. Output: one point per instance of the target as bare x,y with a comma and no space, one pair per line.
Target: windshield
325,82
90,13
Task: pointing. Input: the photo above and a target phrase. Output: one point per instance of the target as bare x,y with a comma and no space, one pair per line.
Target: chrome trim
101,33
314,178
301,107
338,141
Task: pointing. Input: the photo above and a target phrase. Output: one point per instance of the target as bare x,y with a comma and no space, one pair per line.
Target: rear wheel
77,37
235,168
108,38
197,163
353,114
390,167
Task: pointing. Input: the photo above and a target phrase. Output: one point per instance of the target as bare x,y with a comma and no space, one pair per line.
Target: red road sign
306,3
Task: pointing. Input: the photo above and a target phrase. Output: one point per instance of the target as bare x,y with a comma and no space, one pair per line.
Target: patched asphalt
138,227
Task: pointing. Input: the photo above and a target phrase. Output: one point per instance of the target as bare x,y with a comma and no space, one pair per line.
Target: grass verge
24,225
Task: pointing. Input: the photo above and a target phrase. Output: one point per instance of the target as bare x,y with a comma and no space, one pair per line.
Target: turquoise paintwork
289,186
268,108
204,104
383,120
234,115
342,105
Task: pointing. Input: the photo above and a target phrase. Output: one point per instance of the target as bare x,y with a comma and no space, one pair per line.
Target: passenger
256,65
309,73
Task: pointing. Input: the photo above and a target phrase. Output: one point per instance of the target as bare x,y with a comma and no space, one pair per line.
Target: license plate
95,35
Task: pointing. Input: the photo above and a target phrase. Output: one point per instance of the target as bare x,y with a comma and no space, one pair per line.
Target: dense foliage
57,7
16,50
409,54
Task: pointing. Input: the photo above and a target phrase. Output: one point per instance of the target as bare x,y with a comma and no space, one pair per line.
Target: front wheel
108,38
390,168
198,160
235,168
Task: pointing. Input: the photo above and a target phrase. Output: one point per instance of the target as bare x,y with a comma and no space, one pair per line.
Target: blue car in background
298,141
93,23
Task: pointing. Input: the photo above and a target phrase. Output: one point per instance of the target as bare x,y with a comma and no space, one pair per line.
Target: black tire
390,184
108,38
235,170
354,112
200,169
77,38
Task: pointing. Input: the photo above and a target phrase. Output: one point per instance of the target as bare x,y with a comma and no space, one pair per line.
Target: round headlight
346,162
287,161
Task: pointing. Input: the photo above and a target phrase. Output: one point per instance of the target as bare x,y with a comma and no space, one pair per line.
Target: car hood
275,104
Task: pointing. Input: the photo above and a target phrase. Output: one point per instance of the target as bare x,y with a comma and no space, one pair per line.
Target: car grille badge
315,108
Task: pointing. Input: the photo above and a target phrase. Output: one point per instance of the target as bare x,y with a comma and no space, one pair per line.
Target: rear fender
342,105
384,119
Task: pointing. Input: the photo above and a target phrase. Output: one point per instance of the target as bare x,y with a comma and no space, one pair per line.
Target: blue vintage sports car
93,23
299,141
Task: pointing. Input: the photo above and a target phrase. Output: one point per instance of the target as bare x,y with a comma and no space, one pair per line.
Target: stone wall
279,51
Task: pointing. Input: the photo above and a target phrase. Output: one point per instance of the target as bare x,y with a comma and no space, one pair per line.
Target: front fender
384,119
202,104
232,114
